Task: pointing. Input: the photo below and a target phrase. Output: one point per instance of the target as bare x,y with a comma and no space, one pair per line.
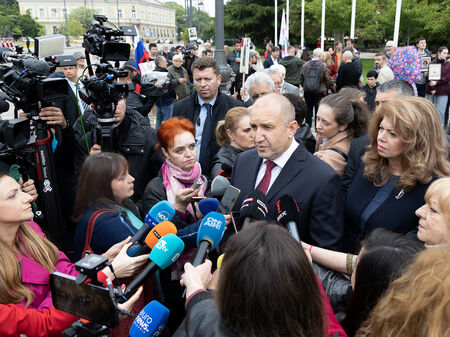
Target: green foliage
78,22
16,24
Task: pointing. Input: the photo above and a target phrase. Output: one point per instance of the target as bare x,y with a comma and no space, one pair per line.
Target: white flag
283,35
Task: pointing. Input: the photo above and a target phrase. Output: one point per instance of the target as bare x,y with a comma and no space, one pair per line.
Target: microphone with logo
150,321
253,208
164,253
208,205
159,231
288,214
162,211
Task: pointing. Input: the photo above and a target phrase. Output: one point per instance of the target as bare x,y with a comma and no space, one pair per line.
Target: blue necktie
206,137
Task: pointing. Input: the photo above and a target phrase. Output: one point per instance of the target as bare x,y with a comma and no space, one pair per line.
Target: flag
140,53
283,41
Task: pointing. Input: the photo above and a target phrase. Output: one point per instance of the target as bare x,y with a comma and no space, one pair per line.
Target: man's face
177,63
71,73
273,135
165,47
209,53
379,62
371,81
163,64
422,44
276,54
119,114
278,81
257,91
390,50
206,83
339,46
153,51
194,52
237,47
385,96
80,62
349,44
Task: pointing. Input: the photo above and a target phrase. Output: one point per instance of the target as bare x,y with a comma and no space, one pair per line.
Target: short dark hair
236,41
381,54
299,106
403,88
204,52
151,45
328,47
337,43
351,40
420,39
206,62
275,48
372,73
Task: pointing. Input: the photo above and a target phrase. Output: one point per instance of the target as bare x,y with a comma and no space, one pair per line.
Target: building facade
153,19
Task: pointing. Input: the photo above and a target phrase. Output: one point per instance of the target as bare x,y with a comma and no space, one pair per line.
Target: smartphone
228,200
197,184
85,301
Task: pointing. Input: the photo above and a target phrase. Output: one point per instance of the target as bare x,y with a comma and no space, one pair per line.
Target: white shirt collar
282,160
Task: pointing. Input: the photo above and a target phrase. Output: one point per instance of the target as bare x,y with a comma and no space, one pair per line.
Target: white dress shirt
280,161
200,123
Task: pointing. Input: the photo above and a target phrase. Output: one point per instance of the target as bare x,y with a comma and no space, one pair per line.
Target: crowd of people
368,167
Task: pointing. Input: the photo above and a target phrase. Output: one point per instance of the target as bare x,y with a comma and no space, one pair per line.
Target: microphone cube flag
150,321
211,229
159,231
167,250
162,211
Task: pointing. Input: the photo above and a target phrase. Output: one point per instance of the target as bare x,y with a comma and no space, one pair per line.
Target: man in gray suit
277,72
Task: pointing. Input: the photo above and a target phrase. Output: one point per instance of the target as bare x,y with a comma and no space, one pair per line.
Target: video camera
84,296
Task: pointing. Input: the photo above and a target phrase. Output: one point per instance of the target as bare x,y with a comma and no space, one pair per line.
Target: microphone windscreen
159,231
287,210
254,206
219,261
208,205
162,211
227,168
167,250
150,321
219,185
211,229
37,67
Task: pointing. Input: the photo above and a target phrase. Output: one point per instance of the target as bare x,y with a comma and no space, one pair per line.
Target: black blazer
357,150
190,109
312,183
395,214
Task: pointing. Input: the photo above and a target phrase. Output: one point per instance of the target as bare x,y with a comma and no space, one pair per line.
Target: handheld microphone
162,229
209,235
150,321
253,208
288,214
164,253
218,186
162,211
208,205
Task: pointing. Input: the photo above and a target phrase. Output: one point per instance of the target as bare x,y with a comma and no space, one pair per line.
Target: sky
208,5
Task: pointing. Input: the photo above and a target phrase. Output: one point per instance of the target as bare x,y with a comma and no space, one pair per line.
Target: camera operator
135,141
190,55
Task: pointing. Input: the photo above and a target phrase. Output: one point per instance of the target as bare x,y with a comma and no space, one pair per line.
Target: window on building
53,12
142,14
41,12
64,12
55,30
133,14
119,13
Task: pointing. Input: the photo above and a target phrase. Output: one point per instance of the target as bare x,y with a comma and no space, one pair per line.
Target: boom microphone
208,205
218,186
150,321
162,211
209,235
164,253
288,215
253,208
37,67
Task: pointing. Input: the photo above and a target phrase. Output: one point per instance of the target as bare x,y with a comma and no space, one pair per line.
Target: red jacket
16,320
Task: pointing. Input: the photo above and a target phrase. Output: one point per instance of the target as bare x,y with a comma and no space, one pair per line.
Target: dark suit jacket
312,183
358,148
190,109
269,62
395,214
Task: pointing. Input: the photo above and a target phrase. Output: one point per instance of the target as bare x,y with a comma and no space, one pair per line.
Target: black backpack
312,76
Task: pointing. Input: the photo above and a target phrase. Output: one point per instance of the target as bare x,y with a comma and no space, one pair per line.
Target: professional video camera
91,301
24,82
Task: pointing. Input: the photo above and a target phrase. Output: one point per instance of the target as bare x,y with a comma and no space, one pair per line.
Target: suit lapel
289,172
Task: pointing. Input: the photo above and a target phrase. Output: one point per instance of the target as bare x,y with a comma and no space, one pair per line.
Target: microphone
37,67
218,186
227,169
150,321
162,211
160,230
209,235
164,253
288,215
208,205
253,208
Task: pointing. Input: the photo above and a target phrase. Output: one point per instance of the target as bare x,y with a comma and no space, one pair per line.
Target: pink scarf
175,178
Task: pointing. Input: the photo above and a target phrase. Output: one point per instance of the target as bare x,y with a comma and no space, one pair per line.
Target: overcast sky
208,5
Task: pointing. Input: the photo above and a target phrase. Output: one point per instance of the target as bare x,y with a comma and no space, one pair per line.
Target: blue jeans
440,102
163,113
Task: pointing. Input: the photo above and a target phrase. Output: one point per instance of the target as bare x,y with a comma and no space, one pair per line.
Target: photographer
135,141
190,55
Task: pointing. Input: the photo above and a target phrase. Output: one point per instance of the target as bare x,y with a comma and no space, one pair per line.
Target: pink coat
37,278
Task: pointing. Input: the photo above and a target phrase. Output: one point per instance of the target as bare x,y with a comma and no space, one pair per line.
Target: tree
28,26
78,22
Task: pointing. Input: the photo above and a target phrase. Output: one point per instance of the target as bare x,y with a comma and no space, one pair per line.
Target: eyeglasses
256,96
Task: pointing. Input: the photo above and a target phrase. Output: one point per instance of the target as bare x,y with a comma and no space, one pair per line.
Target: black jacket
371,93
190,109
226,155
135,141
305,136
347,76
357,149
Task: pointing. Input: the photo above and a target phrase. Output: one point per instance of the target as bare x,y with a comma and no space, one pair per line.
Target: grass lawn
367,65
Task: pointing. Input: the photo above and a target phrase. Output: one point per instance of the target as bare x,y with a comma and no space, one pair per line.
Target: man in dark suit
205,108
274,58
279,165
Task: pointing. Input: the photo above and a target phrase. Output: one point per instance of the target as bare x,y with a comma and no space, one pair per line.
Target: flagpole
287,19
302,38
352,24
398,11
322,33
276,22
